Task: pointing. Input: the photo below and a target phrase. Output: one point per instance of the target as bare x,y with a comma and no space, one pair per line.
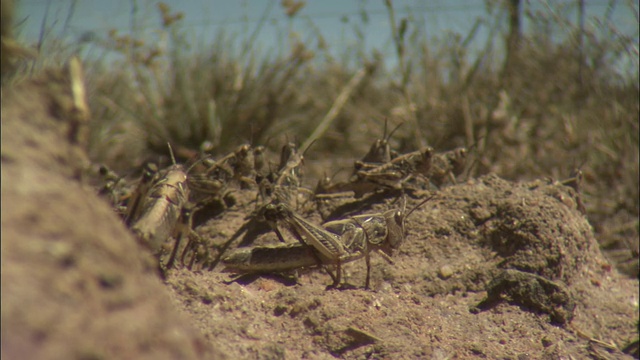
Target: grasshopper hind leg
336,278
174,251
367,259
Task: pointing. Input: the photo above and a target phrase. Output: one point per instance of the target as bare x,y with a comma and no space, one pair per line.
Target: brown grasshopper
212,182
206,190
161,208
290,167
449,164
158,203
393,174
283,185
380,151
333,243
244,169
327,188
113,188
239,165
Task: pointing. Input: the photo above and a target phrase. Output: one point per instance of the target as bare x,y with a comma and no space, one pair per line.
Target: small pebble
445,271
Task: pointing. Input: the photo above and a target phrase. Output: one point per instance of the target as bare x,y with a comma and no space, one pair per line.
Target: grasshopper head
176,177
323,185
458,161
424,161
276,211
244,153
258,150
243,150
378,153
395,227
289,150
259,161
396,224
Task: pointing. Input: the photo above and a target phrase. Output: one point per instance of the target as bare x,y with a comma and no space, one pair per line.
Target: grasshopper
206,189
244,169
393,174
206,186
380,152
158,203
161,208
113,187
575,182
195,245
448,164
290,167
330,247
333,243
326,188
239,165
283,185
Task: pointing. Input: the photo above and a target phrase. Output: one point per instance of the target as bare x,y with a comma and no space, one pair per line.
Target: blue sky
204,18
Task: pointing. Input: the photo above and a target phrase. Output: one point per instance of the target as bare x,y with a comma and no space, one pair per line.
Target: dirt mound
75,284
489,268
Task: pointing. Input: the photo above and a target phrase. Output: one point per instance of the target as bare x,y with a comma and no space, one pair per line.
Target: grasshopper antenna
475,161
417,206
173,158
471,167
304,151
384,134
475,143
392,131
338,172
201,159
